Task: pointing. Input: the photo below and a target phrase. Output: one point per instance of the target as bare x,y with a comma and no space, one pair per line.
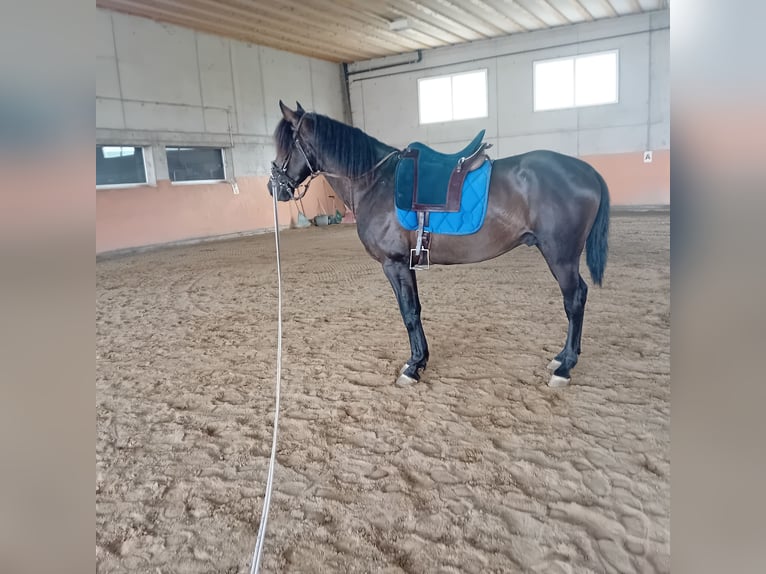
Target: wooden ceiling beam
488,11
563,16
271,18
531,13
552,13
404,9
571,10
500,14
351,22
331,45
240,32
609,8
352,30
582,9
503,8
444,16
465,13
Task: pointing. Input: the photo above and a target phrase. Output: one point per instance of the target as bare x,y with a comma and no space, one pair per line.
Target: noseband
280,181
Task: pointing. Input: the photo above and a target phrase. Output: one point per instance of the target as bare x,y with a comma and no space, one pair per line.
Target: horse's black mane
349,148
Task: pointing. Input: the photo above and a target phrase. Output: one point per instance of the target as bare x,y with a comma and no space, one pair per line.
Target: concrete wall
613,137
158,85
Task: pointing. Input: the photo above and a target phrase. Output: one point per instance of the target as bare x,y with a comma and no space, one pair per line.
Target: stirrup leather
420,257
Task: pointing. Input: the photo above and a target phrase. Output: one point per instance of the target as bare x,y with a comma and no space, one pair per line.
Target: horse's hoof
554,364
404,368
557,381
405,381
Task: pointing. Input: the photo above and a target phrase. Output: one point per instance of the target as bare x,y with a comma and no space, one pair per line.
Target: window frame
221,149
574,59
148,162
452,107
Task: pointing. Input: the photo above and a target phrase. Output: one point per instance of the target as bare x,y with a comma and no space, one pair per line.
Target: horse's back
551,163
546,176
558,193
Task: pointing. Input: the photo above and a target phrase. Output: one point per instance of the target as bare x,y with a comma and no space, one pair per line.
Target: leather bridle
281,181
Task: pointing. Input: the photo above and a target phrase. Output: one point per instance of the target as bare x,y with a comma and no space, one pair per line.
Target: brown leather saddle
431,181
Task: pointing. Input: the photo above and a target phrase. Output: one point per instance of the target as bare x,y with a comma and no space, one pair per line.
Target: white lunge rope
256,563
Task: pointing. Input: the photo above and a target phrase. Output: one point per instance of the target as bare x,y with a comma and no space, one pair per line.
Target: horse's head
292,164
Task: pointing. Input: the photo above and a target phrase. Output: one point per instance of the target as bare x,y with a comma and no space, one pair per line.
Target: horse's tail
597,245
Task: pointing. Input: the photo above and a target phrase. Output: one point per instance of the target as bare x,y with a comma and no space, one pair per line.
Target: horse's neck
343,188
352,187
332,165
351,190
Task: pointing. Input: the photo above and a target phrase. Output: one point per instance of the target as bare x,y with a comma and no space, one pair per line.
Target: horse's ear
299,108
288,114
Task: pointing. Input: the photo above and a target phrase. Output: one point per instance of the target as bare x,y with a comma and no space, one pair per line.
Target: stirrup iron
420,257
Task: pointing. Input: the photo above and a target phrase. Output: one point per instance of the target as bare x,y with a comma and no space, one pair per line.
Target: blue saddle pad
424,179
473,208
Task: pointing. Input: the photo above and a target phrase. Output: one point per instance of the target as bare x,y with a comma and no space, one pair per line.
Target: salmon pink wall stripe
633,182
141,216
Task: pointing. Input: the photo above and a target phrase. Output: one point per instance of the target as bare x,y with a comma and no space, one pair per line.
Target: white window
195,164
587,80
454,97
120,166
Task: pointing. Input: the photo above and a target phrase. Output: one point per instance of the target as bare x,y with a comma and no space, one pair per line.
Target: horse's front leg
405,286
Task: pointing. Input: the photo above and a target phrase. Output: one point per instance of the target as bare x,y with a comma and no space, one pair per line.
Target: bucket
322,220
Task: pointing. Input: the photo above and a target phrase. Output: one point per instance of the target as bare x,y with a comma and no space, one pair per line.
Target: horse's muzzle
280,184
285,194
284,191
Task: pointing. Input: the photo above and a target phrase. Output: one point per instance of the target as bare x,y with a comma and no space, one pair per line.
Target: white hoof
557,381
404,368
553,365
405,381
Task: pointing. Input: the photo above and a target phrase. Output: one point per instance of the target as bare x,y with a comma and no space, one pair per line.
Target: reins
261,537
279,176
256,561
362,176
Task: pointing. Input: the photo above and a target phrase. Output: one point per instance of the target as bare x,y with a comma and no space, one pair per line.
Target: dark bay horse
555,202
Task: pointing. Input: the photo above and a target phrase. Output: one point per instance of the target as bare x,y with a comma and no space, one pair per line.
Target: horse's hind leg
583,296
404,282
575,293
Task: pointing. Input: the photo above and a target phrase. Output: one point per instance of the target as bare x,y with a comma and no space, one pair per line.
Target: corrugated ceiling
352,30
